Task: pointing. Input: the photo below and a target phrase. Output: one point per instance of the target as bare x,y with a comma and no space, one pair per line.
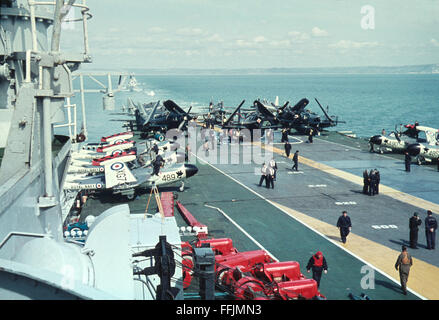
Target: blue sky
261,34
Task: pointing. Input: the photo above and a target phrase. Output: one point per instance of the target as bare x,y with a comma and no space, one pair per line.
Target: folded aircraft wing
233,114
266,113
171,106
153,111
118,173
300,106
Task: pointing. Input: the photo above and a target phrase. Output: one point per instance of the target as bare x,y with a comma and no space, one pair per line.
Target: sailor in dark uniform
296,160
344,225
287,148
155,149
366,182
310,135
407,161
373,182
318,264
430,230
157,164
403,264
378,178
414,223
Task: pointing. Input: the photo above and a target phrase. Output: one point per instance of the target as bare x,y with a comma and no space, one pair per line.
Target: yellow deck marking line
388,191
423,276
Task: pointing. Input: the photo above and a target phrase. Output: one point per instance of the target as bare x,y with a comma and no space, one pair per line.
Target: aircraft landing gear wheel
420,160
130,196
182,187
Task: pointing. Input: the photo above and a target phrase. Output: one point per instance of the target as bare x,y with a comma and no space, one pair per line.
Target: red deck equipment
167,199
249,275
200,229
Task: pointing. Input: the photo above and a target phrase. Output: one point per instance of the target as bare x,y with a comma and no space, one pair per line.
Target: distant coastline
413,69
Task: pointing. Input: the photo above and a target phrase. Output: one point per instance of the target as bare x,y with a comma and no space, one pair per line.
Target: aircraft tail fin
118,173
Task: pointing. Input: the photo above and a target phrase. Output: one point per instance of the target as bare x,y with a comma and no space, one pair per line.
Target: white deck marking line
309,227
243,231
296,142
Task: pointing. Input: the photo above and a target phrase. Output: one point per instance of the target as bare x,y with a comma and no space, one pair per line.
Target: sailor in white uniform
263,174
273,165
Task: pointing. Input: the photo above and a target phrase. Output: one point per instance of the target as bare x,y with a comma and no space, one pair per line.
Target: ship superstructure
36,260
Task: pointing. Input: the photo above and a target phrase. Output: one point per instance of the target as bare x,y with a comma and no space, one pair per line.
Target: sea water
367,103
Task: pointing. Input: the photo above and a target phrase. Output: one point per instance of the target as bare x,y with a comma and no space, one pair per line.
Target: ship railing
22,234
84,13
71,124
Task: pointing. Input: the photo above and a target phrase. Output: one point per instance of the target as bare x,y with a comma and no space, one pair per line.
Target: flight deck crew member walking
366,182
296,161
263,174
318,264
430,230
403,263
287,148
407,161
414,223
344,225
